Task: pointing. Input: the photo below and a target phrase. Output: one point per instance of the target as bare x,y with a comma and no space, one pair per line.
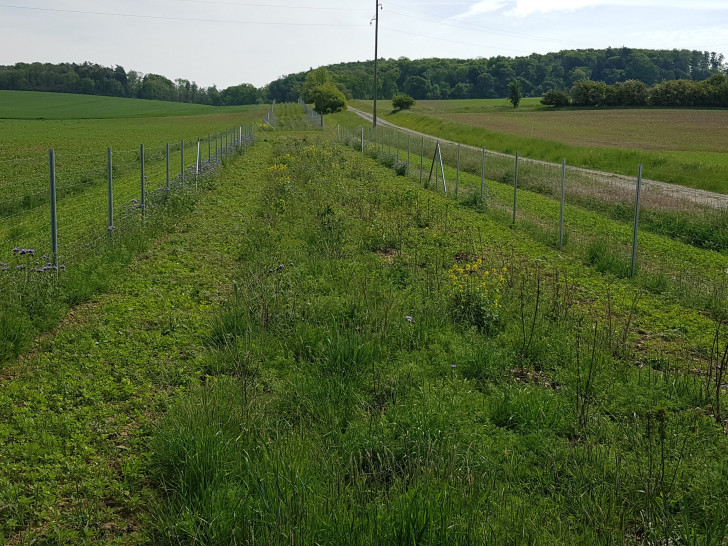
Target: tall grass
357,398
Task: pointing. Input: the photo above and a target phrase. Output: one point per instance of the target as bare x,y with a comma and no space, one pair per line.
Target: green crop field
64,106
318,346
685,147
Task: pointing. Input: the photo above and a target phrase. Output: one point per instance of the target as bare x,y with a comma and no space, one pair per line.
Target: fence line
565,206
74,212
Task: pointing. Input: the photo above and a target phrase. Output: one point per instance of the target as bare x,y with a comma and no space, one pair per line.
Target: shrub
589,93
555,97
402,102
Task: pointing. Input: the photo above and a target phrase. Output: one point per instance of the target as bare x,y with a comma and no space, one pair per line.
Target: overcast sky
227,42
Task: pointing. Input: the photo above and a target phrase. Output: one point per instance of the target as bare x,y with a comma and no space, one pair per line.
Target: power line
307,8
186,19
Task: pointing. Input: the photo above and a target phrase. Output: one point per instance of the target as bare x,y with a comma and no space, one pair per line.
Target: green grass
465,105
329,353
695,223
510,132
65,106
81,148
355,398
672,257
76,412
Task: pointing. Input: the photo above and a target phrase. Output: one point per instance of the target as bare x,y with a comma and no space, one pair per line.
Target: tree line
712,92
93,79
434,78
489,78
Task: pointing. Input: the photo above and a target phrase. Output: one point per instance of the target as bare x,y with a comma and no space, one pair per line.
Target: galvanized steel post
408,154
143,180
457,177
422,155
482,175
110,182
515,189
636,222
54,219
563,201
168,165
182,161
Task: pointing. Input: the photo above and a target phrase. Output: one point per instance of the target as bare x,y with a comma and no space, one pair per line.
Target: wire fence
64,206
615,223
312,116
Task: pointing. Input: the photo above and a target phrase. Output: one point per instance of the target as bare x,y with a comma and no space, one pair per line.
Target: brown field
673,130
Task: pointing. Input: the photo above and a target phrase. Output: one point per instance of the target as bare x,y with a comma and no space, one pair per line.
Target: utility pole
376,43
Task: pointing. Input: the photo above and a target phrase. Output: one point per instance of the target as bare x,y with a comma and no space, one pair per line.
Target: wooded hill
421,79
489,78
94,79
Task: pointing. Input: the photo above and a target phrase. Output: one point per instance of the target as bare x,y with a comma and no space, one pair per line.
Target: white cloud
483,6
524,8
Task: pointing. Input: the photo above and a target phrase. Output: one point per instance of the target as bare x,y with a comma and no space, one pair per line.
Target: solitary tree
514,92
328,99
314,79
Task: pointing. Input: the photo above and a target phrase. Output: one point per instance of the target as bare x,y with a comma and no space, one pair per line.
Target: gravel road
669,192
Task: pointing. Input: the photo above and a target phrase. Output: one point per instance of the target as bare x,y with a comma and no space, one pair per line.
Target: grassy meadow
678,146
319,349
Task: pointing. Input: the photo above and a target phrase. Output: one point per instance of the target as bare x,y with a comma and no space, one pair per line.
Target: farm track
691,195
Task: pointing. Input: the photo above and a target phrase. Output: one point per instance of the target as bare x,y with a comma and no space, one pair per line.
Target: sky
228,42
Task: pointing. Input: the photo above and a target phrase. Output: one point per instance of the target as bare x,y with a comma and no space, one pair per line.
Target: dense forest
421,79
93,79
489,78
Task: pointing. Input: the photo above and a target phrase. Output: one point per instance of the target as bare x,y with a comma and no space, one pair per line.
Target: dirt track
669,191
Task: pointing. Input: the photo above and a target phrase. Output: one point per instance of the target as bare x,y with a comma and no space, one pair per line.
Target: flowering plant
475,293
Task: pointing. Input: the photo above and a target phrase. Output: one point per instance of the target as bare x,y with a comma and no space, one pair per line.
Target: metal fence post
422,155
110,182
362,140
197,160
209,147
563,200
408,154
54,218
636,222
482,175
143,180
182,160
167,165
397,146
515,189
457,176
